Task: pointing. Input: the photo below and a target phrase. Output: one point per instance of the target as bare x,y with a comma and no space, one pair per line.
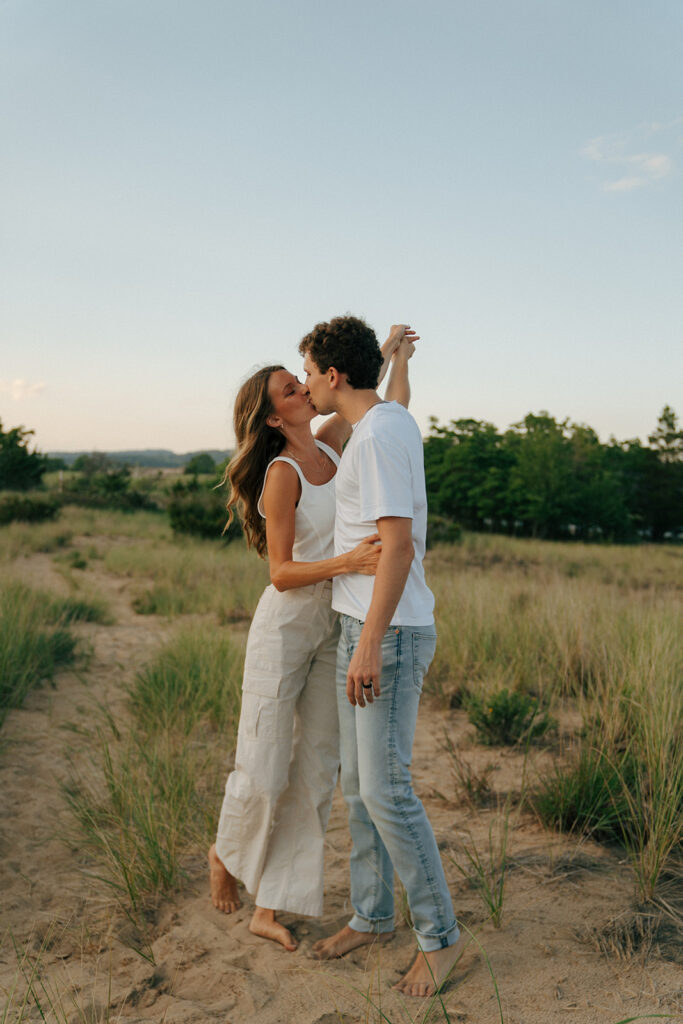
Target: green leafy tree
597,504
554,479
199,509
667,439
652,477
540,487
466,471
20,468
666,479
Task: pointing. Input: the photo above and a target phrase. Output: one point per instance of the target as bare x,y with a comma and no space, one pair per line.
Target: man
387,643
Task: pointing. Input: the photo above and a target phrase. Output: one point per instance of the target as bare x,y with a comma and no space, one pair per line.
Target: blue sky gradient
188,188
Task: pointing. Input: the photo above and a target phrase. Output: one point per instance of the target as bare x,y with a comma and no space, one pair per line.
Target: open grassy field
549,755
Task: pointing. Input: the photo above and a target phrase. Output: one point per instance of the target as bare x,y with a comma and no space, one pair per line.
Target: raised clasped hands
398,335
401,340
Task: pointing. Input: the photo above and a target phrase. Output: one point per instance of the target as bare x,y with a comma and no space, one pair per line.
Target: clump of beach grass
149,797
507,718
138,808
194,680
35,641
486,870
472,786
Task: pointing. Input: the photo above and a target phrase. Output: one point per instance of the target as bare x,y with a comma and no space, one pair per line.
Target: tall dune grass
601,627
194,681
192,576
152,793
17,539
628,567
545,633
138,808
30,538
35,641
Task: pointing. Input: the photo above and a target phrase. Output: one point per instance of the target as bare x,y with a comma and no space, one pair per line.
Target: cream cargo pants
277,800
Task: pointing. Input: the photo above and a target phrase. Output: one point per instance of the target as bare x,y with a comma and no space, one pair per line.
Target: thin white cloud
623,185
625,152
20,390
658,166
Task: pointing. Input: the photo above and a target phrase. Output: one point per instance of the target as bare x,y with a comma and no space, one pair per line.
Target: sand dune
207,966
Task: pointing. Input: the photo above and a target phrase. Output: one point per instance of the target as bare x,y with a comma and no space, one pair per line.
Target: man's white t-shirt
381,473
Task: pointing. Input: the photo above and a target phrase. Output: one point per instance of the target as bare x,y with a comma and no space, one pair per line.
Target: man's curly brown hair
347,344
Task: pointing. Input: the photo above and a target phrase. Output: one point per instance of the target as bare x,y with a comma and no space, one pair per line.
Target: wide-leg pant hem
304,908
277,799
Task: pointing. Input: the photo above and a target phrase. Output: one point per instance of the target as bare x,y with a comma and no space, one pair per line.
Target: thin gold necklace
321,457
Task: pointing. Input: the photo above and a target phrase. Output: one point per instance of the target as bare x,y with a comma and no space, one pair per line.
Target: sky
186,188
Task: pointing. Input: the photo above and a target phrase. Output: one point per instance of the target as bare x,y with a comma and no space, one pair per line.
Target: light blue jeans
389,827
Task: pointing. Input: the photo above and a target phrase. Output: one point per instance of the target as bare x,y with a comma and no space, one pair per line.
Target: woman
277,799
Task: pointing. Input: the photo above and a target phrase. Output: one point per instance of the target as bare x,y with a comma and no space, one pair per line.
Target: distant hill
155,458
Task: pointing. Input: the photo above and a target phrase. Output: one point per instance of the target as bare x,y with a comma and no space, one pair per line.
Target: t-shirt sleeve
384,480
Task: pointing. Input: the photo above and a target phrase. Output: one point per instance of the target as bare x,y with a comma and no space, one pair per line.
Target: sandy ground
207,966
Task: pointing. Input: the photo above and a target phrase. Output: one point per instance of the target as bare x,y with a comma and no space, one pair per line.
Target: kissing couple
337,650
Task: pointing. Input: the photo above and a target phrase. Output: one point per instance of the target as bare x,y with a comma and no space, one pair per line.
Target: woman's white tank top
314,516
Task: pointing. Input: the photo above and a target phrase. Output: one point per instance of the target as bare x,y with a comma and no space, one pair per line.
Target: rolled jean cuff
429,943
376,927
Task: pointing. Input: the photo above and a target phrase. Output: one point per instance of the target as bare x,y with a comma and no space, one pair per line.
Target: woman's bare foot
431,970
263,923
344,941
224,895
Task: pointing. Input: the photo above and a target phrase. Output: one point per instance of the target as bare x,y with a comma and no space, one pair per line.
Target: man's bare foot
431,970
224,895
263,923
344,941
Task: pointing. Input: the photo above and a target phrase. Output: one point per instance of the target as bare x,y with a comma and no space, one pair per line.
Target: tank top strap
330,452
290,462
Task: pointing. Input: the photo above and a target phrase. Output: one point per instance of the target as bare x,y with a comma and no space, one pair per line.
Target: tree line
541,477
555,479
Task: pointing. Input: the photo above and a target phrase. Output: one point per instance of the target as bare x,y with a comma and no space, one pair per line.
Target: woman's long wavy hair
257,444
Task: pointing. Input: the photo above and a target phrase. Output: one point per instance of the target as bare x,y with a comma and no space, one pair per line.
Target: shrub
17,508
589,795
507,717
103,483
199,509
